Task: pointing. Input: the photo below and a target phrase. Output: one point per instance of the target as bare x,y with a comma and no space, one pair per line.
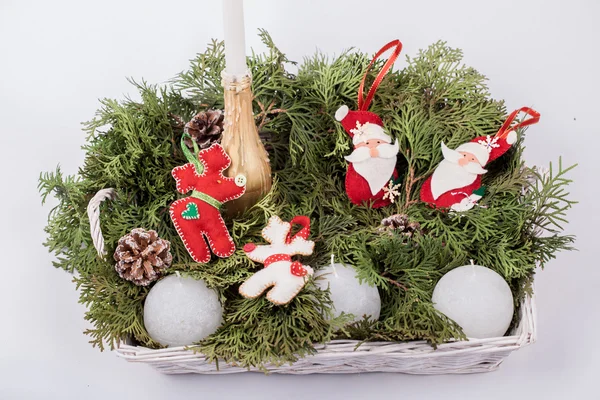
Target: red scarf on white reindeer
286,277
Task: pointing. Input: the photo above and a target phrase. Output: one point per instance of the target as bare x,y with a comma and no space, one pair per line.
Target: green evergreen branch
132,146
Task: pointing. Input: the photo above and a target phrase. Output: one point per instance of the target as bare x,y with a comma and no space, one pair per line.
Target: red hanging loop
505,129
304,222
363,104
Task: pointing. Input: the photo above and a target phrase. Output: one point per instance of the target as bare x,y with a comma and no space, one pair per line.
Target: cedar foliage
133,145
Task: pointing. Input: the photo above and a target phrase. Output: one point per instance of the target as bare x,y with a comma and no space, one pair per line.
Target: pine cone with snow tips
400,223
142,256
205,129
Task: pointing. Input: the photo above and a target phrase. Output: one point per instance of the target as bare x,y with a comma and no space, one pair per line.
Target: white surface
348,294
477,298
58,57
180,311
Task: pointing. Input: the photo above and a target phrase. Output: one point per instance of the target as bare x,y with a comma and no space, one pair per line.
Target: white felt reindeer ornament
287,277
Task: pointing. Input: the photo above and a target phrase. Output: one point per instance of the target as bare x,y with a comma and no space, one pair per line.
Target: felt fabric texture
359,192
285,277
451,197
363,126
353,120
468,202
197,218
360,126
368,131
493,147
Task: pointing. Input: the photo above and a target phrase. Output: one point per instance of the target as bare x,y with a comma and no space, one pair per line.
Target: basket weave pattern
344,356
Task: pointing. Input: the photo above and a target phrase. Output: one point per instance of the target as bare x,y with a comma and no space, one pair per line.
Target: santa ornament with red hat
372,164
456,181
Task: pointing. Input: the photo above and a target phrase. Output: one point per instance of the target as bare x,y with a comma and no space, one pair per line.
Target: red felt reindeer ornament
372,163
456,181
197,218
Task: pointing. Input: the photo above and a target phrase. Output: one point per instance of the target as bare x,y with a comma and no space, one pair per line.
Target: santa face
467,158
457,170
374,160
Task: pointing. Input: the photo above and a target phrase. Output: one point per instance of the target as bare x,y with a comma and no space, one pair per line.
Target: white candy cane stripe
93,211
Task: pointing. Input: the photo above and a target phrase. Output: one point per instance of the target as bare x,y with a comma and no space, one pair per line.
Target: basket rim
523,334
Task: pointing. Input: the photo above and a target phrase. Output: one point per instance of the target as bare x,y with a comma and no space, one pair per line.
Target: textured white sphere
180,311
476,298
348,294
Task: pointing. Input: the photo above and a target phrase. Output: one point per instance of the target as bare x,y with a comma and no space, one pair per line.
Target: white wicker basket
345,356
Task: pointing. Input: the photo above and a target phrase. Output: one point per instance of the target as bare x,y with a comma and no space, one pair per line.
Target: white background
58,57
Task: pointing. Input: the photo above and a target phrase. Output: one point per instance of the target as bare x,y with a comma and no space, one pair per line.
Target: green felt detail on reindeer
191,211
133,146
207,199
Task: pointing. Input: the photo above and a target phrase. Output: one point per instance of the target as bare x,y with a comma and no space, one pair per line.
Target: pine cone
401,224
142,256
205,129
266,137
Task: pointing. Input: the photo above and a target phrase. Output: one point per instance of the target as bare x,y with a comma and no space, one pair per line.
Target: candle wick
178,274
333,266
472,262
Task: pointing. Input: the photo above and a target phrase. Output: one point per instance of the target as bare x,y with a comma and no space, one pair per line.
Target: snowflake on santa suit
372,163
197,218
456,181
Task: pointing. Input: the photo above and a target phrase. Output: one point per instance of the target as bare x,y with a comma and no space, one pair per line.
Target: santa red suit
372,164
455,182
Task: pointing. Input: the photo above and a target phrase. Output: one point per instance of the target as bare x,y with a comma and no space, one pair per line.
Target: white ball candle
476,298
180,311
347,293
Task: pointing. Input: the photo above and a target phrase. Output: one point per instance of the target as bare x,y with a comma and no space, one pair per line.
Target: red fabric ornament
456,183
303,233
349,118
448,199
298,269
359,192
197,218
372,164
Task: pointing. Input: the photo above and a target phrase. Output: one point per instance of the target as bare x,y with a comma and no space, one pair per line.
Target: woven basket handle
93,211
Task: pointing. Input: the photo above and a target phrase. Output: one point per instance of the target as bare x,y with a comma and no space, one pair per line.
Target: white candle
347,293
180,311
235,43
476,298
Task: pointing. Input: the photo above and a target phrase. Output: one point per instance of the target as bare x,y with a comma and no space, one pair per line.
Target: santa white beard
377,171
450,176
